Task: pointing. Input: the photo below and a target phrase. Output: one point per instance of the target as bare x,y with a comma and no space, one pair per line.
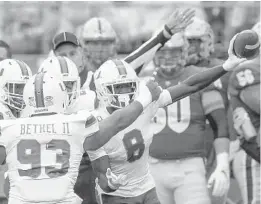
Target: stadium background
29,27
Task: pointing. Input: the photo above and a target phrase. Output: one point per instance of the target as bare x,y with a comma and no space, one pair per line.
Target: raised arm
144,54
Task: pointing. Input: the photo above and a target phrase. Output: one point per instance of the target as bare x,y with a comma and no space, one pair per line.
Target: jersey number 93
29,153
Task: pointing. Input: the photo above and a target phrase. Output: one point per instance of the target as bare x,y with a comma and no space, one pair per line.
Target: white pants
180,181
75,200
247,173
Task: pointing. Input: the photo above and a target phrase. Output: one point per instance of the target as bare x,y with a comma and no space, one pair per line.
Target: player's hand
178,21
233,61
220,181
154,88
148,92
115,181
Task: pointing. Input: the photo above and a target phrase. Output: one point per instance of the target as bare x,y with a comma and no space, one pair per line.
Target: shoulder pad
245,75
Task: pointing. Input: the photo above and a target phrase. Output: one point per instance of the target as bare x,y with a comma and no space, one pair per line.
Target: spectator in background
5,50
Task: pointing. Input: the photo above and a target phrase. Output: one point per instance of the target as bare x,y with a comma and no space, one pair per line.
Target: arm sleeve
251,97
211,100
91,126
96,154
146,52
164,99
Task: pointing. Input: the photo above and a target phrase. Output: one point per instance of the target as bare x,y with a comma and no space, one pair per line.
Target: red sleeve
251,97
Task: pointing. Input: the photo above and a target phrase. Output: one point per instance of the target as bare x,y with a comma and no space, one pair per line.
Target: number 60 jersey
43,155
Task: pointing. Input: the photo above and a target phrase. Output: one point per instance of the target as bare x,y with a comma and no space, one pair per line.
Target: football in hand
246,44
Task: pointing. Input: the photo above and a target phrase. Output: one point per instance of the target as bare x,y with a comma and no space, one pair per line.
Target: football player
244,92
123,172
43,152
67,44
201,49
178,144
13,76
99,41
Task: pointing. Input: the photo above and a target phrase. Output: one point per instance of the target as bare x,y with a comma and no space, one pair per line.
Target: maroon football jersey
180,127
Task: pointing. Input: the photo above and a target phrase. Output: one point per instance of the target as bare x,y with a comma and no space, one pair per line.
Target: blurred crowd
30,30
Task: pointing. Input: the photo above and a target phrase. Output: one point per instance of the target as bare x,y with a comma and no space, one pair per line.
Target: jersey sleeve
89,124
146,52
211,100
96,154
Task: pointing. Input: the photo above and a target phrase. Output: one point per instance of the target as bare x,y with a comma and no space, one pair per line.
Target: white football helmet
201,40
98,39
44,93
67,71
116,83
13,76
172,56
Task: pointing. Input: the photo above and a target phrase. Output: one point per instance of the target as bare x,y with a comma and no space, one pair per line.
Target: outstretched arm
122,118
205,78
144,54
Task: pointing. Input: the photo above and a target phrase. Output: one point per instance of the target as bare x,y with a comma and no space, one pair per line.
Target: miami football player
43,152
244,91
123,172
13,76
178,144
201,54
67,44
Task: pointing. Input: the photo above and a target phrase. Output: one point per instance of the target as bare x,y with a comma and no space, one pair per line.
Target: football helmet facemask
13,76
98,40
67,71
201,41
45,93
116,83
172,56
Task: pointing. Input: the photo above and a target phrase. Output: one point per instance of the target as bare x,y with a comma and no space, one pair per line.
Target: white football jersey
128,151
44,154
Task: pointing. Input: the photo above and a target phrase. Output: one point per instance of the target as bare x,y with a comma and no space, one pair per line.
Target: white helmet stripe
23,68
63,65
120,66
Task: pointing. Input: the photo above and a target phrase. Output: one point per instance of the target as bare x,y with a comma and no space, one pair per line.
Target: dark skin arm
218,122
196,83
2,155
251,148
109,127
100,167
